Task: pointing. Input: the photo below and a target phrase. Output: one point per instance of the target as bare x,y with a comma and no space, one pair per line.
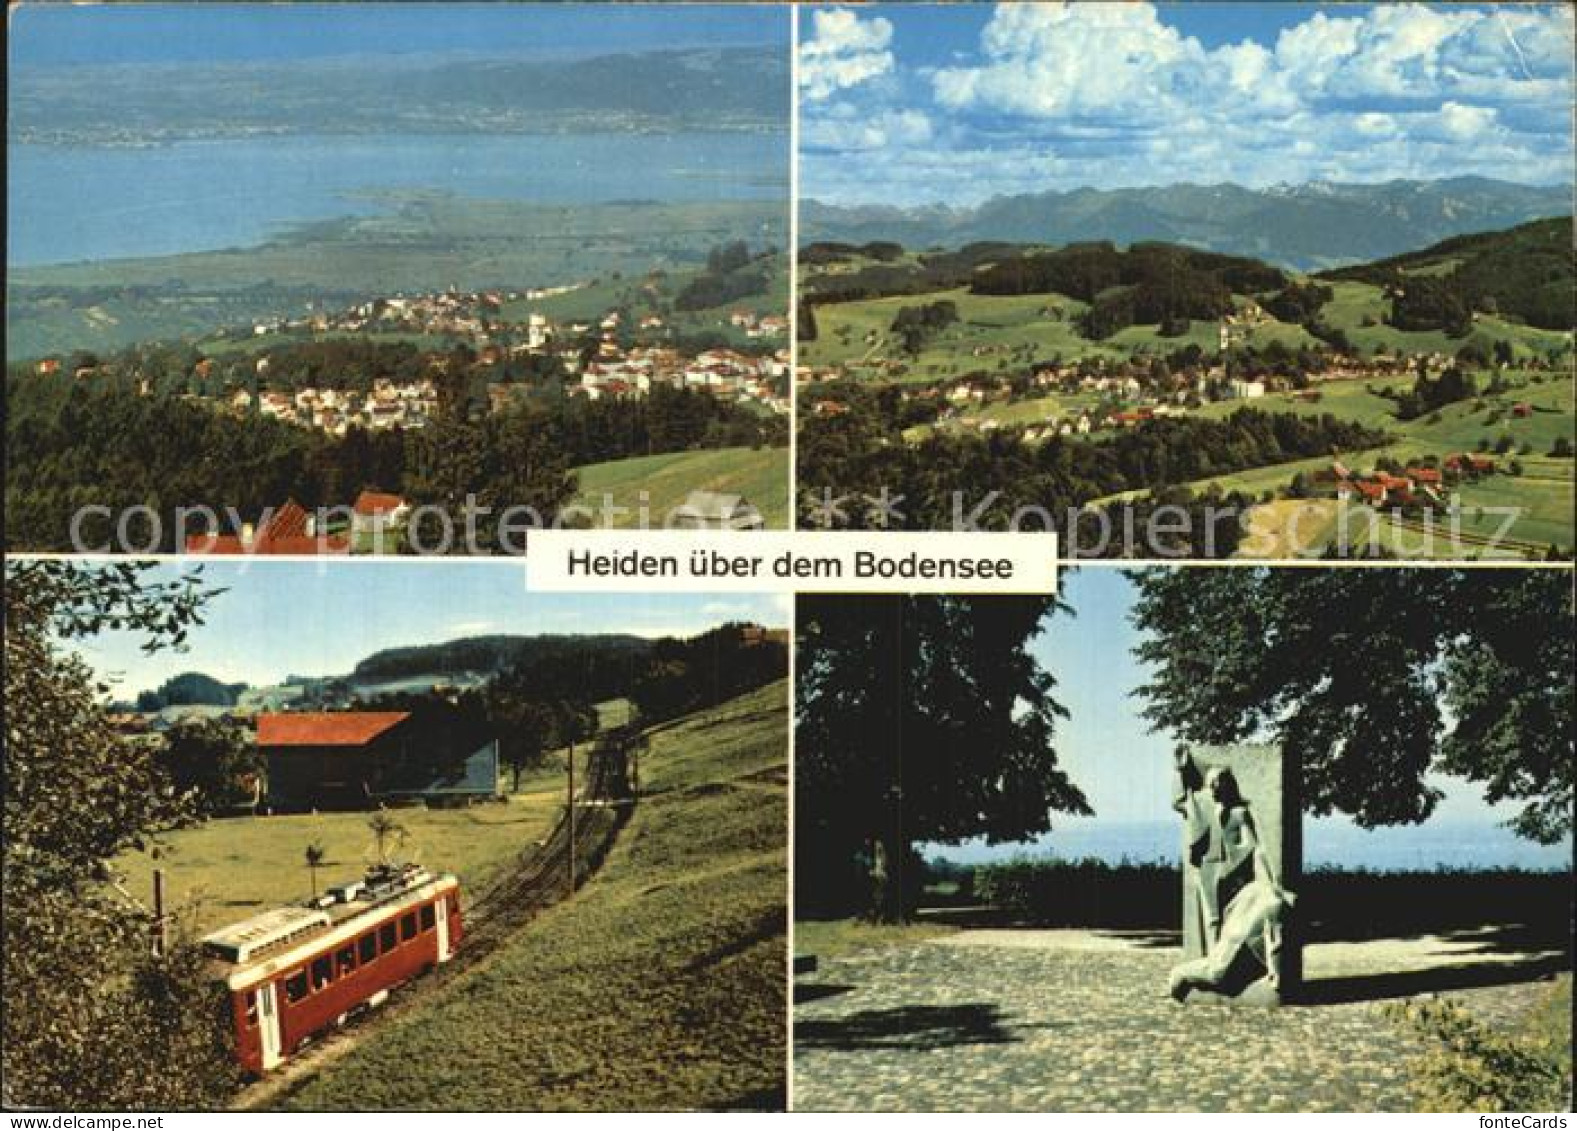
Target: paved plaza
1066,1020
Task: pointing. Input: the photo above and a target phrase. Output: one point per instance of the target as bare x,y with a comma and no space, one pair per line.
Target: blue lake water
1326,843
77,203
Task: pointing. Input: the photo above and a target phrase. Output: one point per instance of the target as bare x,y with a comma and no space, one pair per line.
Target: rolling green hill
660,985
491,653
1525,274
759,474
1021,304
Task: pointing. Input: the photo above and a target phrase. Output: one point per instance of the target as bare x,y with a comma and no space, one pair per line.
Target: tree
212,764
314,855
1373,680
918,719
88,1008
387,834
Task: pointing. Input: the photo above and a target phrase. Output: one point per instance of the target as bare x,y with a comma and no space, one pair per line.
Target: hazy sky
56,34
916,104
301,618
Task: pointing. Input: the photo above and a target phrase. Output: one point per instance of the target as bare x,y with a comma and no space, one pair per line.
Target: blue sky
915,104
302,618
58,34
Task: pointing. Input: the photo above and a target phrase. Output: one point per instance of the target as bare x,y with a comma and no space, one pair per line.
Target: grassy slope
229,869
1545,490
856,334
760,475
660,985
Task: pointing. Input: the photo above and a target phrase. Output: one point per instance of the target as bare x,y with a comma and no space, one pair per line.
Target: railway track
542,875
540,880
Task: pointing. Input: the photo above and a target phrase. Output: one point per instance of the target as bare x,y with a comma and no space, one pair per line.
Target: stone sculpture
1238,852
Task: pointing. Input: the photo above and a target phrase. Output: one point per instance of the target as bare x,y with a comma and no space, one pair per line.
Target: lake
1327,843
72,203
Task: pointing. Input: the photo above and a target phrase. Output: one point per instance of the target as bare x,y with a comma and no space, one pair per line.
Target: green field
660,985
233,867
759,474
1354,304
1007,333
1545,493
995,333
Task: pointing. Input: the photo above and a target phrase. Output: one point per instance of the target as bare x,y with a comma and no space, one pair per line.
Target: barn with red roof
357,759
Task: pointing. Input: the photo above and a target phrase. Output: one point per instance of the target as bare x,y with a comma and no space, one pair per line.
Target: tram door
268,1024
442,908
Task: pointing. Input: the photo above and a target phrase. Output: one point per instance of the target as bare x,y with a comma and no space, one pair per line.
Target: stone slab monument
1242,859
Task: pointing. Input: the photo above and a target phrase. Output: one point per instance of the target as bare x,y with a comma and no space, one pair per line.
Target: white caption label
684,561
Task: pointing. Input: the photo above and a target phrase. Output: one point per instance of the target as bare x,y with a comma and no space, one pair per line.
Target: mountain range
1301,227
724,88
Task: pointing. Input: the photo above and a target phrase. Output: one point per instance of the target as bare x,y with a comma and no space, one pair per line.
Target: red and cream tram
293,972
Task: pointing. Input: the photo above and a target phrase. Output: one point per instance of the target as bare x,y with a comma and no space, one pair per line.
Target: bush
1473,1067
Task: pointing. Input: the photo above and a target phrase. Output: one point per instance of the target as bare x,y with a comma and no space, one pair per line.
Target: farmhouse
378,511
711,510
355,759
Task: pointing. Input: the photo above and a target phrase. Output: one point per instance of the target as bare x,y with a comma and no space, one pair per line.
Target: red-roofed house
1475,464
288,530
1429,476
378,510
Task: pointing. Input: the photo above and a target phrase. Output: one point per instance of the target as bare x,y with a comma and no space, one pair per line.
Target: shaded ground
1070,1020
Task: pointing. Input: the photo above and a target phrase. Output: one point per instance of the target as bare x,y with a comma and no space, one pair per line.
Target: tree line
74,443
861,453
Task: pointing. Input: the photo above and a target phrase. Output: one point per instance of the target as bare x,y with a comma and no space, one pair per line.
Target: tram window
251,1009
322,972
428,917
296,986
387,938
345,960
367,947
408,927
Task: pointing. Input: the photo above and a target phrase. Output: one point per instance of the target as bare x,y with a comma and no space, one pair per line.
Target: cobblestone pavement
1081,1021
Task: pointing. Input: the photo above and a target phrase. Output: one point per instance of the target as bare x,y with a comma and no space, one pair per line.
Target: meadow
660,985
759,474
231,868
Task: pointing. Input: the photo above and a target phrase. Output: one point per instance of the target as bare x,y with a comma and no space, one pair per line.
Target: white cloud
842,52
1073,60
1466,122
1068,94
846,128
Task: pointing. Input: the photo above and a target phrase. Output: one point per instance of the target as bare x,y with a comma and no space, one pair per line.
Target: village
1106,394
614,356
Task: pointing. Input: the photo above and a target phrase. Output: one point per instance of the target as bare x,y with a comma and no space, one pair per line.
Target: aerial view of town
1316,297
323,290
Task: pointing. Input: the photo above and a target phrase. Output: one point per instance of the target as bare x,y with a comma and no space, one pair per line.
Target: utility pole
158,912
570,762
